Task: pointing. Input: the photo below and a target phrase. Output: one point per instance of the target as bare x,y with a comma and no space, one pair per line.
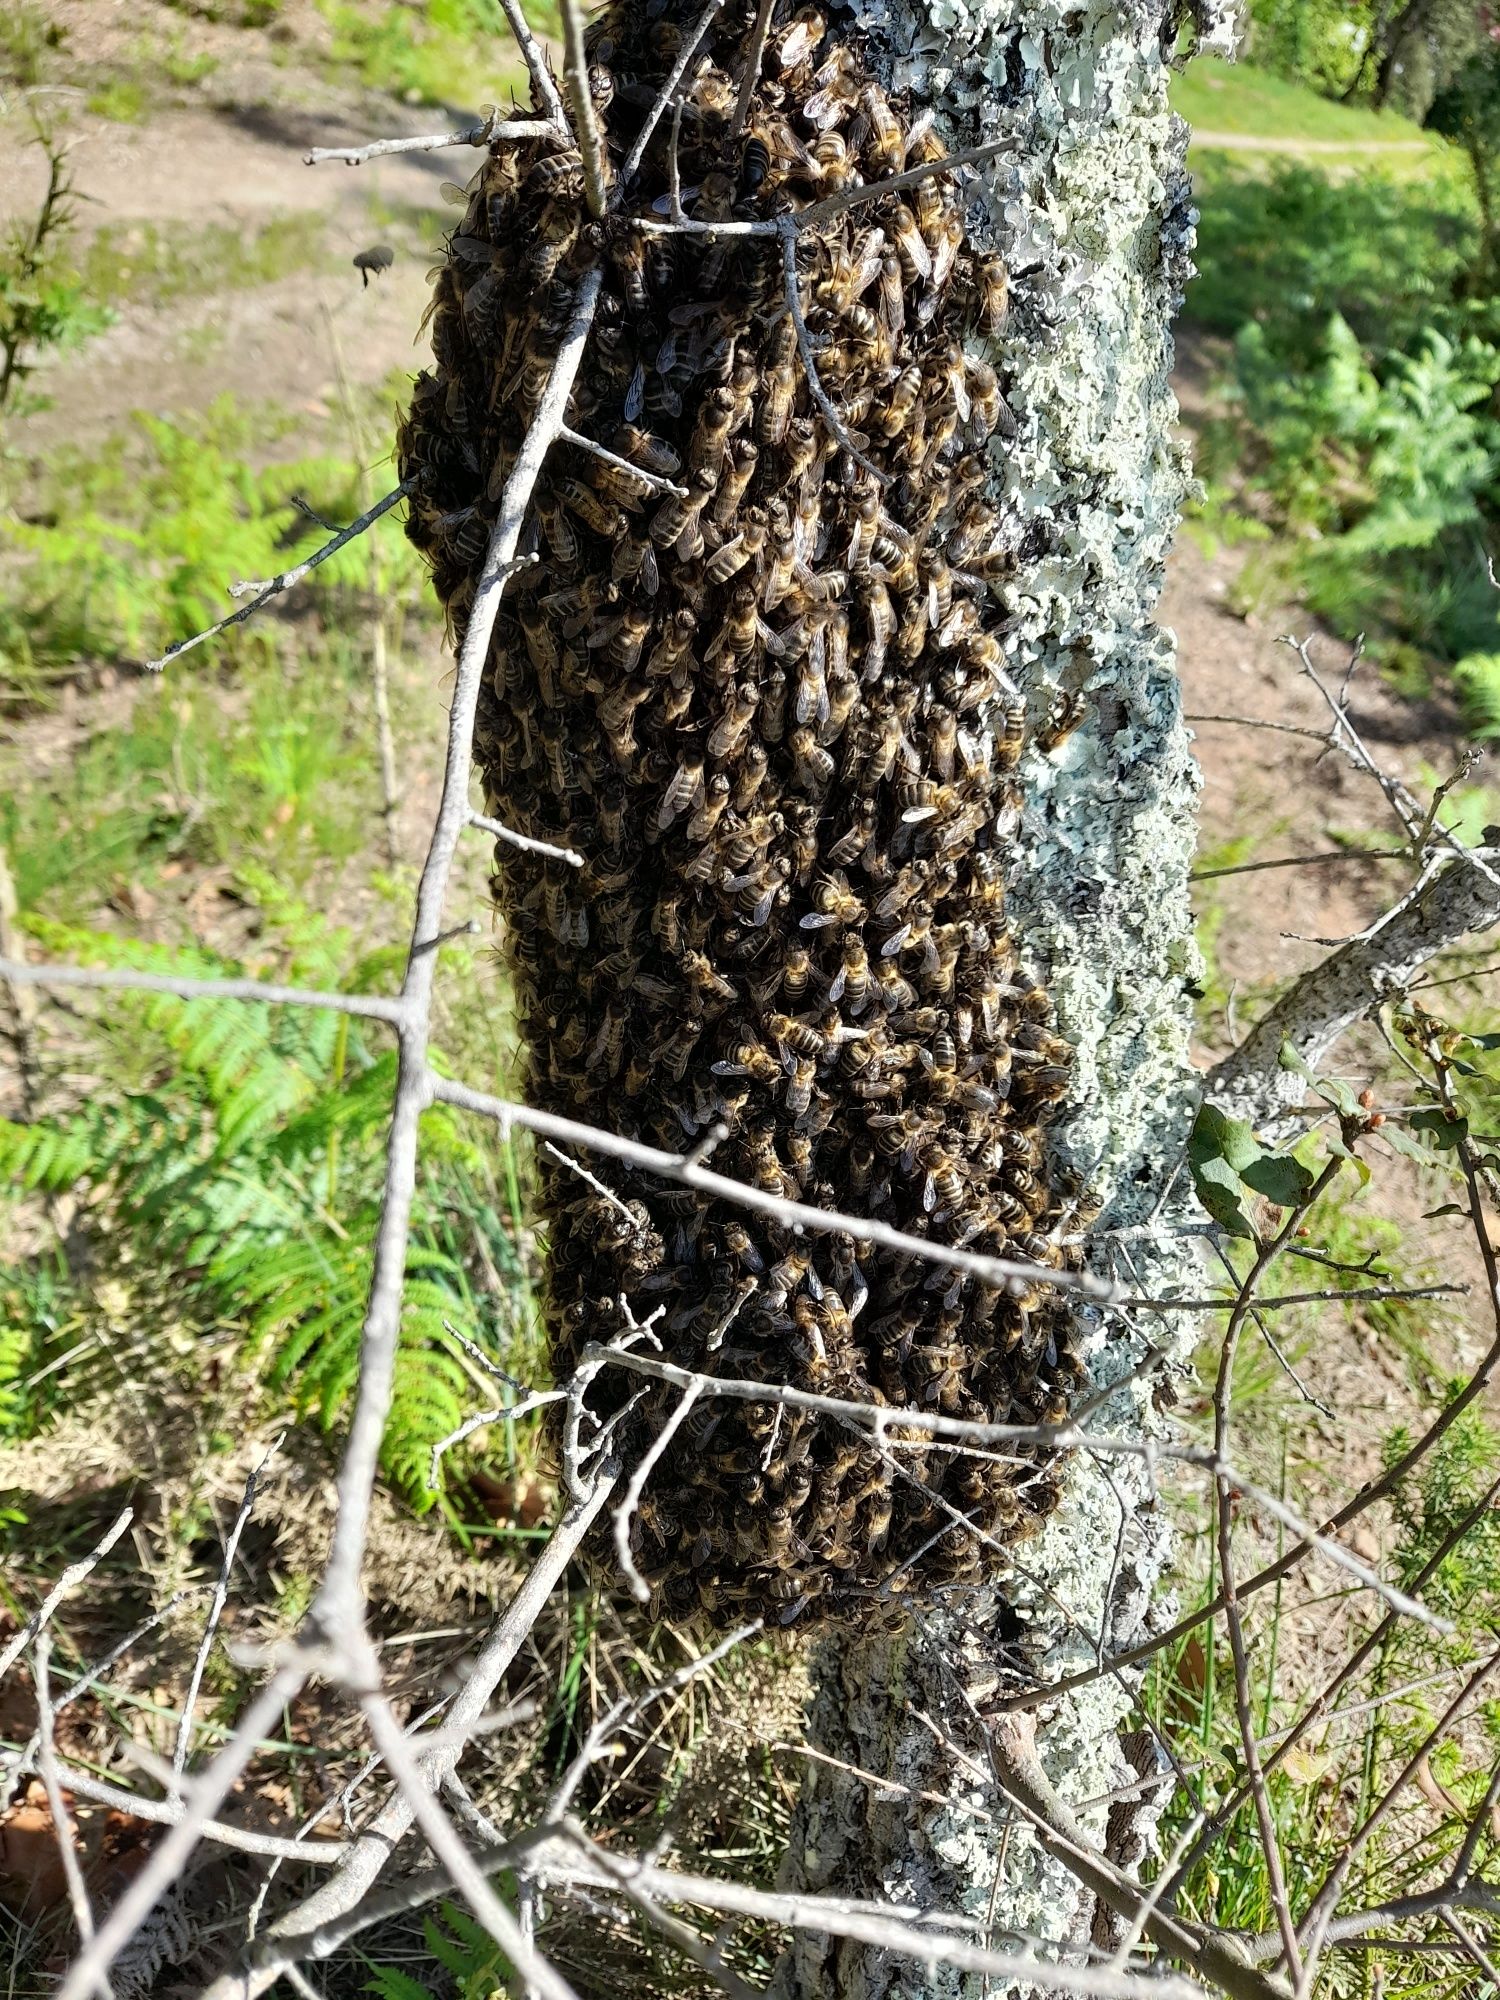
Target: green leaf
1215,1136
1446,1132
1279,1177
1218,1188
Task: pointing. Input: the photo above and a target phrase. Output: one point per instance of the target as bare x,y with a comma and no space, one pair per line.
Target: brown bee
734,481
1010,737
591,508
677,523
1068,712
557,173
779,389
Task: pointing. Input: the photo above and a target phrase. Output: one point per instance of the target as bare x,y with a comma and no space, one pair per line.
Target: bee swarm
767,708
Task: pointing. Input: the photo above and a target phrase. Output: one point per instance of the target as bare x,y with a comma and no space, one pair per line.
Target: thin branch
754,56
62,1819
278,585
1302,861
509,1413
464,1871
625,1512
349,1887
1352,1296
487,133
1216,1959
204,1795
651,481
577,1167
215,1612
931,1941
171,1812
73,1575
815,389
819,212
113,978
536,62
338,1608
581,109
797,1215
1453,897
668,91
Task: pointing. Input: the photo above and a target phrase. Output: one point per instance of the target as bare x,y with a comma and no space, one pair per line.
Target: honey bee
591,508
1010,737
676,524
1068,712
779,391
684,790
621,639
750,777
740,630
911,245
729,732
900,402
557,173
557,232
649,452
885,149
712,95
562,536
755,164
741,549
814,767
829,161
836,93
794,44
734,481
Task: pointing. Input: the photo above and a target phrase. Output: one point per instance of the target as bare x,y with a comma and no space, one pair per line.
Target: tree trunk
1091,211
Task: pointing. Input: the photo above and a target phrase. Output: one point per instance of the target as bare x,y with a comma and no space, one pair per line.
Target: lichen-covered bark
1091,212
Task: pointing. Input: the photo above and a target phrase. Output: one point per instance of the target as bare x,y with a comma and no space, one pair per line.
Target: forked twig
486,133
278,585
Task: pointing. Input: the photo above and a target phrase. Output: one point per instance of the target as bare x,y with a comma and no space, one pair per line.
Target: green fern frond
44,1158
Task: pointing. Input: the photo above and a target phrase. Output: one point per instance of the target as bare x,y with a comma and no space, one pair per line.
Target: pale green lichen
1091,211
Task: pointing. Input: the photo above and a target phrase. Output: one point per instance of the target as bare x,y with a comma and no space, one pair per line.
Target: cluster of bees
754,678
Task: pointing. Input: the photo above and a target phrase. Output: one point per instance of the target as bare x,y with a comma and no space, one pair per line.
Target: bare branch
62,1819
215,1612
788,234
581,109
668,90
536,62
278,585
70,1578
204,1795
120,979
1219,1960
465,1873
348,1888
1302,861
338,1607
1454,896
487,133
796,1215
625,1512
652,482
754,56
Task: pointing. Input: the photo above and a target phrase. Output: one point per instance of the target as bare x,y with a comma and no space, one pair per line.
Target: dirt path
193,171
1249,142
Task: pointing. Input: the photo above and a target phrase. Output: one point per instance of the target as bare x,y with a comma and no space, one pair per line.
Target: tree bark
1091,211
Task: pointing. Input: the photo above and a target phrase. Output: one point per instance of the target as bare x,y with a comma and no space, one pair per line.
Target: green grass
1215,96
451,52
156,263
132,544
